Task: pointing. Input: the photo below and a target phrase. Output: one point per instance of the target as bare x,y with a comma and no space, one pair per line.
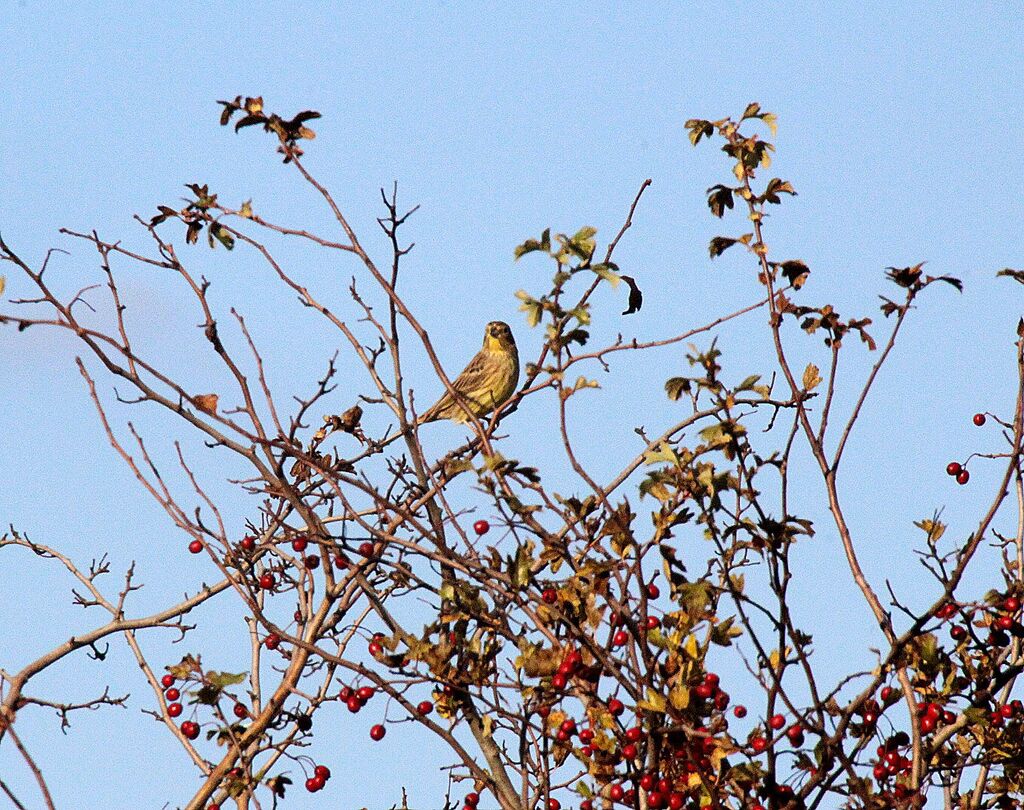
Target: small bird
485,383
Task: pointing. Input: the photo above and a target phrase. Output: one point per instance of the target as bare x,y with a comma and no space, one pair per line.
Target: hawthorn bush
567,650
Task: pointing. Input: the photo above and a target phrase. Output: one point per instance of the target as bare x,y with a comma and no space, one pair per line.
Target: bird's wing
468,381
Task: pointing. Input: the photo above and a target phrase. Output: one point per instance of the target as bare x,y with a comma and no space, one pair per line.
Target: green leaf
218,232
531,245
605,272
222,679
675,387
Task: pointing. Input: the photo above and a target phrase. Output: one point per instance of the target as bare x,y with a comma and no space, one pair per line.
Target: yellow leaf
811,377
207,403
3,283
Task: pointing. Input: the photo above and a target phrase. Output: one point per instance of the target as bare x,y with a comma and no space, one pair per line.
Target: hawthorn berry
558,681
963,477
171,695
777,721
174,710
272,642
629,751
167,681
676,801
554,804
1011,604
312,561
616,792
953,468
634,734
267,581
315,783
196,546
549,595
248,543
425,707
240,711
481,527
620,638
366,549
759,744
616,707
653,622
377,732
353,703
299,543
364,693
190,729
652,591
586,804
979,419
375,648
739,711
472,799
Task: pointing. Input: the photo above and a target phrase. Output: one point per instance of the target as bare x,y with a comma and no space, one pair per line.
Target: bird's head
498,336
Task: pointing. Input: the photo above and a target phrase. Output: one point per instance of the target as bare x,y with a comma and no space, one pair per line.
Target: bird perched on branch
485,383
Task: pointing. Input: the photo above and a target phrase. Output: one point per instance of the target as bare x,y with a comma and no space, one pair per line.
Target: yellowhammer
487,382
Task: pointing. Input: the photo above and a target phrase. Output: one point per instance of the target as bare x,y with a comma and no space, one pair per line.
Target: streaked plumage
486,382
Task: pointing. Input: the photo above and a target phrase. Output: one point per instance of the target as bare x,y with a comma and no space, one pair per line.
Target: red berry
739,711
963,477
299,543
652,622
1004,622
979,419
616,792
353,703
481,527
759,744
267,581
190,729
364,693
366,549
322,771
375,648
629,751
341,560
472,799
620,638
777,721
1011,604
248,543
703,691
616,707
312,561
634,734
927,724
425,707
586,804
174,710
377,732
886,693
953,468
676,801
167,681
554,804
272,641
196,546
172,695
652,591
315,783
549,595
558,681
1006,710
647,781
240,711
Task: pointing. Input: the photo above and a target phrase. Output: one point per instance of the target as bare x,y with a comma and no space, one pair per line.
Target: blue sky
899,127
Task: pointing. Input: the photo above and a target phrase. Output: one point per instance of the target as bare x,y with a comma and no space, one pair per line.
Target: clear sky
899,125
